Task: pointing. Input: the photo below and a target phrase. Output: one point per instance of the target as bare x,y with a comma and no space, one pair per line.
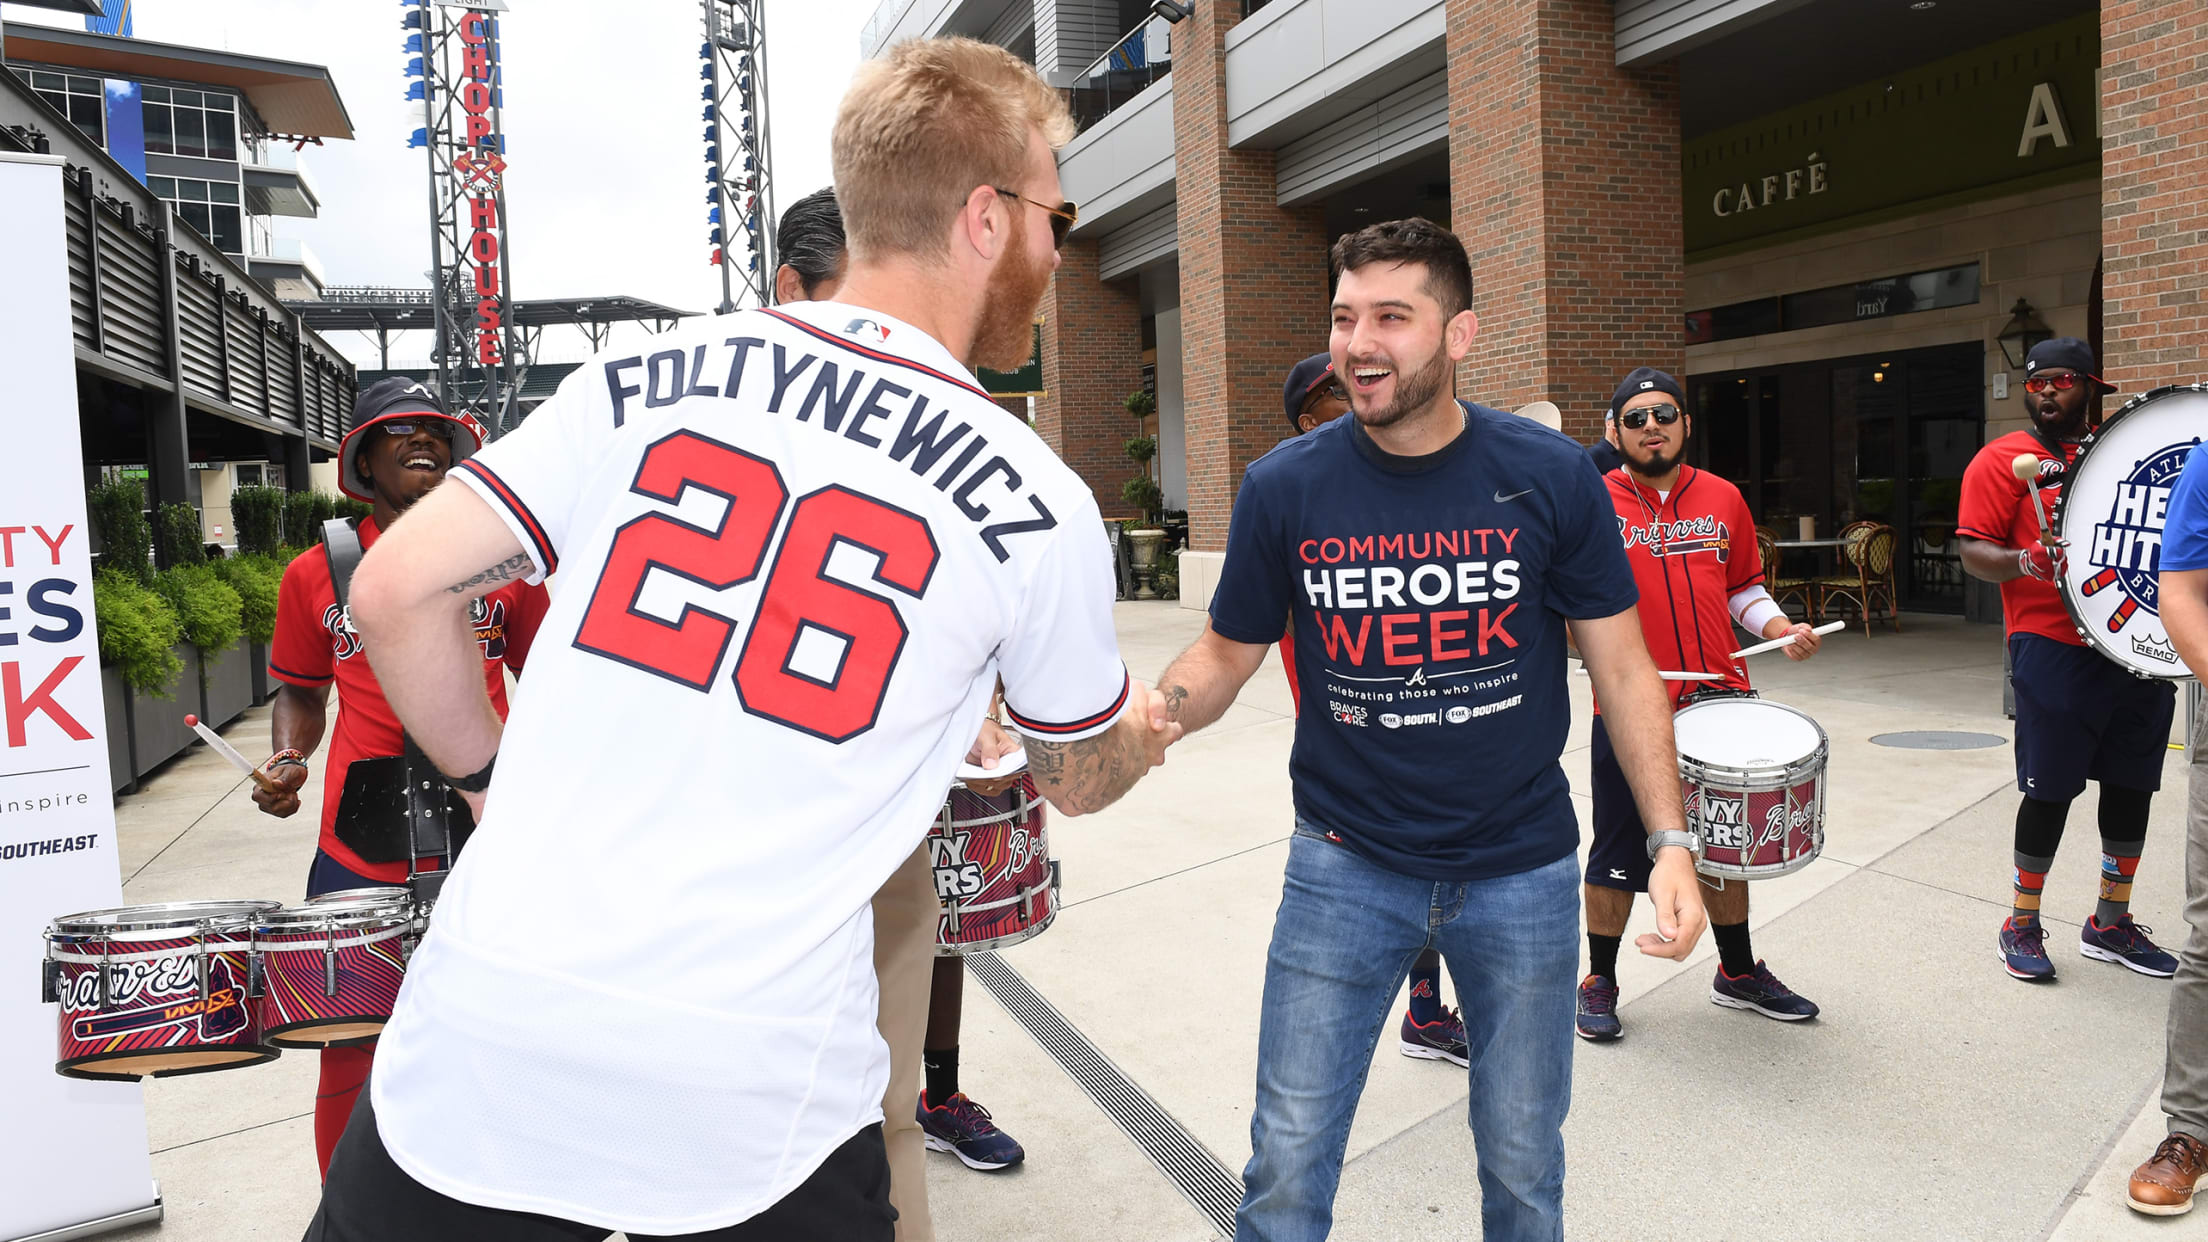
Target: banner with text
70,1151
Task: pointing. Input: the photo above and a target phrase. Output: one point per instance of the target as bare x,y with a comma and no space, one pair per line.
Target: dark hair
1414,240
811,238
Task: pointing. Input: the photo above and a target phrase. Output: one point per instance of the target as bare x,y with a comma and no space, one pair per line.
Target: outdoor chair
1783,589
1869,551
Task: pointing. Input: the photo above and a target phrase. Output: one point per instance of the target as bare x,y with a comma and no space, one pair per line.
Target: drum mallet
1787,640
2026,468
226,750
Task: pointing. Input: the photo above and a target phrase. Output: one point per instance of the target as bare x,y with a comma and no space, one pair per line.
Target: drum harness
430,829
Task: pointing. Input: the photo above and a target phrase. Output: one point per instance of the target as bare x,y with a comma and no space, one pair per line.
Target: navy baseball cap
1303,379
2067,352
1646,379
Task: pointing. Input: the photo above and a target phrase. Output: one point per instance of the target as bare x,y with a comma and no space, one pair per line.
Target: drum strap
2055,450
433,828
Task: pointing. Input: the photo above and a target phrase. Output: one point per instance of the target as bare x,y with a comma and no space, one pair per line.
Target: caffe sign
1954,130
1811,177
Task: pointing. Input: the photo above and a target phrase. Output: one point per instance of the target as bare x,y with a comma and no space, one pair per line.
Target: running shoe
963,1128
2126,944
2024,951
1598,1009
1439,1040
1761,991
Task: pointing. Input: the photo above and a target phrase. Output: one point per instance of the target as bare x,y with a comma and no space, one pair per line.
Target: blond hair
923,126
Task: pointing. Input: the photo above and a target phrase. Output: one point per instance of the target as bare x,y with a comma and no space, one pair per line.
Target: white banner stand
73,1156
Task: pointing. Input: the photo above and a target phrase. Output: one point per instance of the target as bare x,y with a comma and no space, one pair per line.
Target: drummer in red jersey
2078,715
401,444
1692,544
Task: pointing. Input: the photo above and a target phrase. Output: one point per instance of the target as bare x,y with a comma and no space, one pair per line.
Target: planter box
157,730
261,687
115,697
226,686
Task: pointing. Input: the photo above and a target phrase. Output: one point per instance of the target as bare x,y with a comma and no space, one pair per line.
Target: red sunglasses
2041,383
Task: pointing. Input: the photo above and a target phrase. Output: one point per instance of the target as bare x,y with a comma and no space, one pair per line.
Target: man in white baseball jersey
799,548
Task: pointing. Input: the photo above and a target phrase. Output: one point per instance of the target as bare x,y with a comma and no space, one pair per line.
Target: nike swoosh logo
1501,499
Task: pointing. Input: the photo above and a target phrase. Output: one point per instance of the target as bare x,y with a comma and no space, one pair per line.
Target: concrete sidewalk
1935,1099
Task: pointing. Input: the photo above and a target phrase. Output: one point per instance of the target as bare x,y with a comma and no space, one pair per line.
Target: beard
2059,424
1657,466
1004,335
1414,391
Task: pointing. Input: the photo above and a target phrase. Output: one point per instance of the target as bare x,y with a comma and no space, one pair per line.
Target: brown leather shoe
2164,1185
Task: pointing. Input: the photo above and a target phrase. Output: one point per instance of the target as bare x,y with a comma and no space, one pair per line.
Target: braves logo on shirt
488,618
1681,538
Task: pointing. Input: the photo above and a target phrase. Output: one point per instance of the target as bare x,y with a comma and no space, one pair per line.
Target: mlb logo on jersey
867,328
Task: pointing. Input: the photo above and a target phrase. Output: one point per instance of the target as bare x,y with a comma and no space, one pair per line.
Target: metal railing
1140,58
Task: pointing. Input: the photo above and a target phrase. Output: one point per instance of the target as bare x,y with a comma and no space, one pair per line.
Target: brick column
1564,186
2154,225
1253,281
1092,358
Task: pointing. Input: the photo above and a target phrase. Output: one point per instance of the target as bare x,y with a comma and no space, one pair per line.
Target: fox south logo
1684,537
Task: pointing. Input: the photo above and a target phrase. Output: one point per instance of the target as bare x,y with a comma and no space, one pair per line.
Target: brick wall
1092,358
2154,163
1253,281
1564,186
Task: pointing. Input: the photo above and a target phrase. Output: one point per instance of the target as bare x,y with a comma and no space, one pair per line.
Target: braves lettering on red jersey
1997,508
1691,552
315,645
797,549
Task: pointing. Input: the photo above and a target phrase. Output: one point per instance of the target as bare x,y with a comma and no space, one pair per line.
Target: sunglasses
1062,217
1332,388
2041,383
438,428
1665,416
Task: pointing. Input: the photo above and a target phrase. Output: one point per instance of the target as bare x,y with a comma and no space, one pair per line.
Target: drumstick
1787,640
2026,468
226,750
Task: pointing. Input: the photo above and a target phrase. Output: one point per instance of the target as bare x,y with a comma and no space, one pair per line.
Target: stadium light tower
456,82
740,210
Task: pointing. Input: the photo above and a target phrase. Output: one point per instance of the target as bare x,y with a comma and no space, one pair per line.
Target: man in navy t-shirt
1430,553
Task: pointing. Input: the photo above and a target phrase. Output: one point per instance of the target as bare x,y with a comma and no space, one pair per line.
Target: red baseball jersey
315,645
1691,552
1995,509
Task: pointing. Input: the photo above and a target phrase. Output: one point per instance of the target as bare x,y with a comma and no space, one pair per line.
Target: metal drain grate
1207,1183
1938,739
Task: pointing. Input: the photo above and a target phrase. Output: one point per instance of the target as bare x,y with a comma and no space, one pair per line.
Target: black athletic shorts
2079,716
1618,857
368,1198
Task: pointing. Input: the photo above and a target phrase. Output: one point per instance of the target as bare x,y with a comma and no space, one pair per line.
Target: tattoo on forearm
516,566
1175,696
1090,774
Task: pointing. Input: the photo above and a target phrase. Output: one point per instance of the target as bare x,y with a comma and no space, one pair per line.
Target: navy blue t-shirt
1429,596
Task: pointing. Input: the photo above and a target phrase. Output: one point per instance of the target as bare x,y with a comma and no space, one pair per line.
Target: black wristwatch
474,782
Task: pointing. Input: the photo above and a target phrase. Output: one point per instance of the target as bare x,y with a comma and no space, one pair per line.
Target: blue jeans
1345,935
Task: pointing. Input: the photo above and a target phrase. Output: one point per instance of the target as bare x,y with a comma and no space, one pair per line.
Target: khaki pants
2185,1088
905,914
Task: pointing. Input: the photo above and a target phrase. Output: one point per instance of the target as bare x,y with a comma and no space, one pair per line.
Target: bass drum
2111,512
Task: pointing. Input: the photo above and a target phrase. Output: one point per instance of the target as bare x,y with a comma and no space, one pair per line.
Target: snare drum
993,871
155,990
1753,773
329,971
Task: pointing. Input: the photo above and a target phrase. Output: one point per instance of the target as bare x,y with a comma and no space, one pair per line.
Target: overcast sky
605,188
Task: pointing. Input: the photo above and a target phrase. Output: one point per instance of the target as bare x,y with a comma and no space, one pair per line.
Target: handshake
1090,774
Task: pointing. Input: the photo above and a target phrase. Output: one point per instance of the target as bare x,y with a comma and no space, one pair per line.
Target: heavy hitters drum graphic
155,989
2111,513
993,872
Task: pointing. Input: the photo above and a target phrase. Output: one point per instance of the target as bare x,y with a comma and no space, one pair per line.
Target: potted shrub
140,642
212,614
257,571
1143,493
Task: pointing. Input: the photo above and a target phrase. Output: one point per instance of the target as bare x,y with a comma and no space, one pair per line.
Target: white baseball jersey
796,549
